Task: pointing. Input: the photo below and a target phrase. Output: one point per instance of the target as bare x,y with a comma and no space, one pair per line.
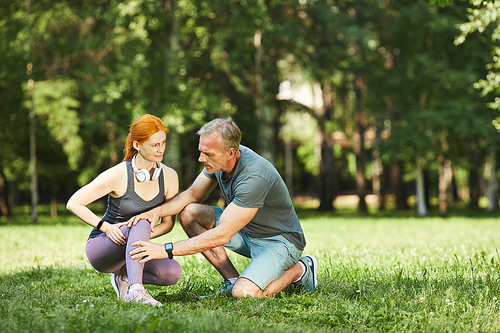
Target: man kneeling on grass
258,222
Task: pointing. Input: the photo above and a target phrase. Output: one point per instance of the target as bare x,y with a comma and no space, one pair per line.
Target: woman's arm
164,227
107,182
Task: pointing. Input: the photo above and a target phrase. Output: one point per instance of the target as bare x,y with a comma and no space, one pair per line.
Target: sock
233,280
303,271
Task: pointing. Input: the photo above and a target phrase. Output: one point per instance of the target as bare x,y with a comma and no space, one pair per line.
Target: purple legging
108,257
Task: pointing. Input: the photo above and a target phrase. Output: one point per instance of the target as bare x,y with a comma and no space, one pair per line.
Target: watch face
168,248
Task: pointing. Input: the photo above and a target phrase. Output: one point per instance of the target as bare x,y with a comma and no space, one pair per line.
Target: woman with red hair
136,185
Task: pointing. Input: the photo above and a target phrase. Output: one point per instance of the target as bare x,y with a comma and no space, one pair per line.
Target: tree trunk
53,201
326,167
264,113
420,189
289,166
454,187
474,172
33,169
398,185
359,146
172,156
474,188
377,167
445,177
376,178
326,192
31,84
427,186
492,182
4,193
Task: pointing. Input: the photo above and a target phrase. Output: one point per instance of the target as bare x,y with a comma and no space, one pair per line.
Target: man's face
212,153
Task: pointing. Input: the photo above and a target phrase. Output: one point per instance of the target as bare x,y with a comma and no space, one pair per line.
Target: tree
429,88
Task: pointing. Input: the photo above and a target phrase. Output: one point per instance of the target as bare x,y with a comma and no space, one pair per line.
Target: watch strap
99,225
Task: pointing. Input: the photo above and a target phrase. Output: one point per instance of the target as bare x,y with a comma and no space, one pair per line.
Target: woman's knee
139,231
141,225
169,273
175,273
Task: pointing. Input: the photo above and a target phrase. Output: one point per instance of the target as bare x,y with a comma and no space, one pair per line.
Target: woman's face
153,148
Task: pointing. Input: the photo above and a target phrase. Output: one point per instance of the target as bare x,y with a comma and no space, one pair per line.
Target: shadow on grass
44,297
47,299
88,283
348,285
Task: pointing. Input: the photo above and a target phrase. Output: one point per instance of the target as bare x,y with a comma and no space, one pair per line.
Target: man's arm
231,221
196,193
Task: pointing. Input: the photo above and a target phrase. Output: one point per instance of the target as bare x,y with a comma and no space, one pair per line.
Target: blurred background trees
386,101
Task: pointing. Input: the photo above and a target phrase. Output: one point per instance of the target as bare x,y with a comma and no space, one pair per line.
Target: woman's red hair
140,131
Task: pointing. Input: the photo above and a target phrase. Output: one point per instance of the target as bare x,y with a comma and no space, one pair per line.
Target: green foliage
301,127
382,274
442,3
433,109
54,103
483,19
97,66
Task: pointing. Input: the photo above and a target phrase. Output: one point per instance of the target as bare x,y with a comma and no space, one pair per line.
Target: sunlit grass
376,274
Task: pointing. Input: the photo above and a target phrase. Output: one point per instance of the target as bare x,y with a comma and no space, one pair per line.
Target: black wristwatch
168,248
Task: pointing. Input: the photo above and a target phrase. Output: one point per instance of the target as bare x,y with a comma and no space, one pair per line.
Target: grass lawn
376,274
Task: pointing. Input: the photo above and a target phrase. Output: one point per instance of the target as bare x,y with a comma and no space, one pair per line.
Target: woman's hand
114,233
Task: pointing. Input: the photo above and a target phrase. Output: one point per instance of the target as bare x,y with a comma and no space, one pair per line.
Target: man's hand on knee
146,251
151,216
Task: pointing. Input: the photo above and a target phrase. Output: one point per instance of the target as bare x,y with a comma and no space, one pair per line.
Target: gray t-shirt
257,184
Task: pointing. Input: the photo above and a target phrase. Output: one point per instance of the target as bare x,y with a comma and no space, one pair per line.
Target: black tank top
123,208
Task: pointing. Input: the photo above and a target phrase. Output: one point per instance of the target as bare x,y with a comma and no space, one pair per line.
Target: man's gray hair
229,131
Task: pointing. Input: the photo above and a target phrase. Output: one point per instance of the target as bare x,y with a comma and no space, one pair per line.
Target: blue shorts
270,256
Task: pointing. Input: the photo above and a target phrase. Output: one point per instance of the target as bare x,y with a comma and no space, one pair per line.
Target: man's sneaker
140,295
120,285
309,280
225,289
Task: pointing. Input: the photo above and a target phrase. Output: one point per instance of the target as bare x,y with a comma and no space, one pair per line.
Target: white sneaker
140,295
120,285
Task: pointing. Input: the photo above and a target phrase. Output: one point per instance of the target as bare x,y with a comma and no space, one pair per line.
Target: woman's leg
162,272
106,256
140,231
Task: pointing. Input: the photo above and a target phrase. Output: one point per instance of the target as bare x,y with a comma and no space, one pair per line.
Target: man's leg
195,219
244,287
273,267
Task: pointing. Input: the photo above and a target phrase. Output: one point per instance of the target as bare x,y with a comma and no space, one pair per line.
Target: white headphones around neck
142,175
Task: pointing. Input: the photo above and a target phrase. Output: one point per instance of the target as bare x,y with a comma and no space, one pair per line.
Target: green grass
377,274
